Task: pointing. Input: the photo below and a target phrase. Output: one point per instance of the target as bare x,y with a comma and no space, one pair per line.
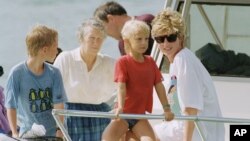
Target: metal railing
77,113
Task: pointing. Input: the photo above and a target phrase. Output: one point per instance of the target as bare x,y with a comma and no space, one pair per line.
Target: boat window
219,35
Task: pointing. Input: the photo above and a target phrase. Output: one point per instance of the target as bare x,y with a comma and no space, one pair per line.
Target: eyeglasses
170,38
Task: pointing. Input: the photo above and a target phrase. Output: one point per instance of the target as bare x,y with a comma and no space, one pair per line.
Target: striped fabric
85,128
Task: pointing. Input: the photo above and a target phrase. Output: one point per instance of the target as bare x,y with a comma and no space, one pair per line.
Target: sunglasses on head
170,38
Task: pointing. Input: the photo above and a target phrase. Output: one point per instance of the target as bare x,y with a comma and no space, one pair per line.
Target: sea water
18,16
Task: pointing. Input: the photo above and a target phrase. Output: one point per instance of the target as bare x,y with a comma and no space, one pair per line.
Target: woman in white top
88,81
191,85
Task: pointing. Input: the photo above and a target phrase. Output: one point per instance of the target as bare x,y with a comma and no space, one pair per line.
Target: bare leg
143,131
130,136
123,138
115,130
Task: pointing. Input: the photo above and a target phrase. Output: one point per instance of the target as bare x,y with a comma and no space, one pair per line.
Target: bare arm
161,93
189,125
59,106
121,97
12,117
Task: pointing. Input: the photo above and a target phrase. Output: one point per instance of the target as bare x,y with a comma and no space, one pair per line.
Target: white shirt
93,87
195,89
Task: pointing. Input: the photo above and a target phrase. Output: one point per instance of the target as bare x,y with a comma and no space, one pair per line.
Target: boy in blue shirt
35,87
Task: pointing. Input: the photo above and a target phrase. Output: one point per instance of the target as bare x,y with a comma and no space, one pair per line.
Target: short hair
90,24
133,27
168,21
39,37
112,8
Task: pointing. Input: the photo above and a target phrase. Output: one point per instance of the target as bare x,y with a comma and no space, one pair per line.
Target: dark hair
112,8
59,50
1,71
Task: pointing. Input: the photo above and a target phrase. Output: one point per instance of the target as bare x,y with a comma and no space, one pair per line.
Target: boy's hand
169,115
118,111
59,133
15,135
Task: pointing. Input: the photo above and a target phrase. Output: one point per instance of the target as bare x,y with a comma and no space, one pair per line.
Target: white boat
225,25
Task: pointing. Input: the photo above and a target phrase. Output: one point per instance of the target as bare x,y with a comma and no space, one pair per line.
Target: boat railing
78,113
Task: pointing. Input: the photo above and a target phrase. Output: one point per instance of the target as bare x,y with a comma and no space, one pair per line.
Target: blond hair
132,28
39,37
169,22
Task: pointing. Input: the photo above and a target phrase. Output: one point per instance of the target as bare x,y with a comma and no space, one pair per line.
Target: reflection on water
17,16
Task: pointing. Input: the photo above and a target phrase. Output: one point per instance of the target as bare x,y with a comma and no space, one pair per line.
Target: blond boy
136,75
34,87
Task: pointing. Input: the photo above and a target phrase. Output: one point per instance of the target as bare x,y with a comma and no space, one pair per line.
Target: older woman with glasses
192,90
